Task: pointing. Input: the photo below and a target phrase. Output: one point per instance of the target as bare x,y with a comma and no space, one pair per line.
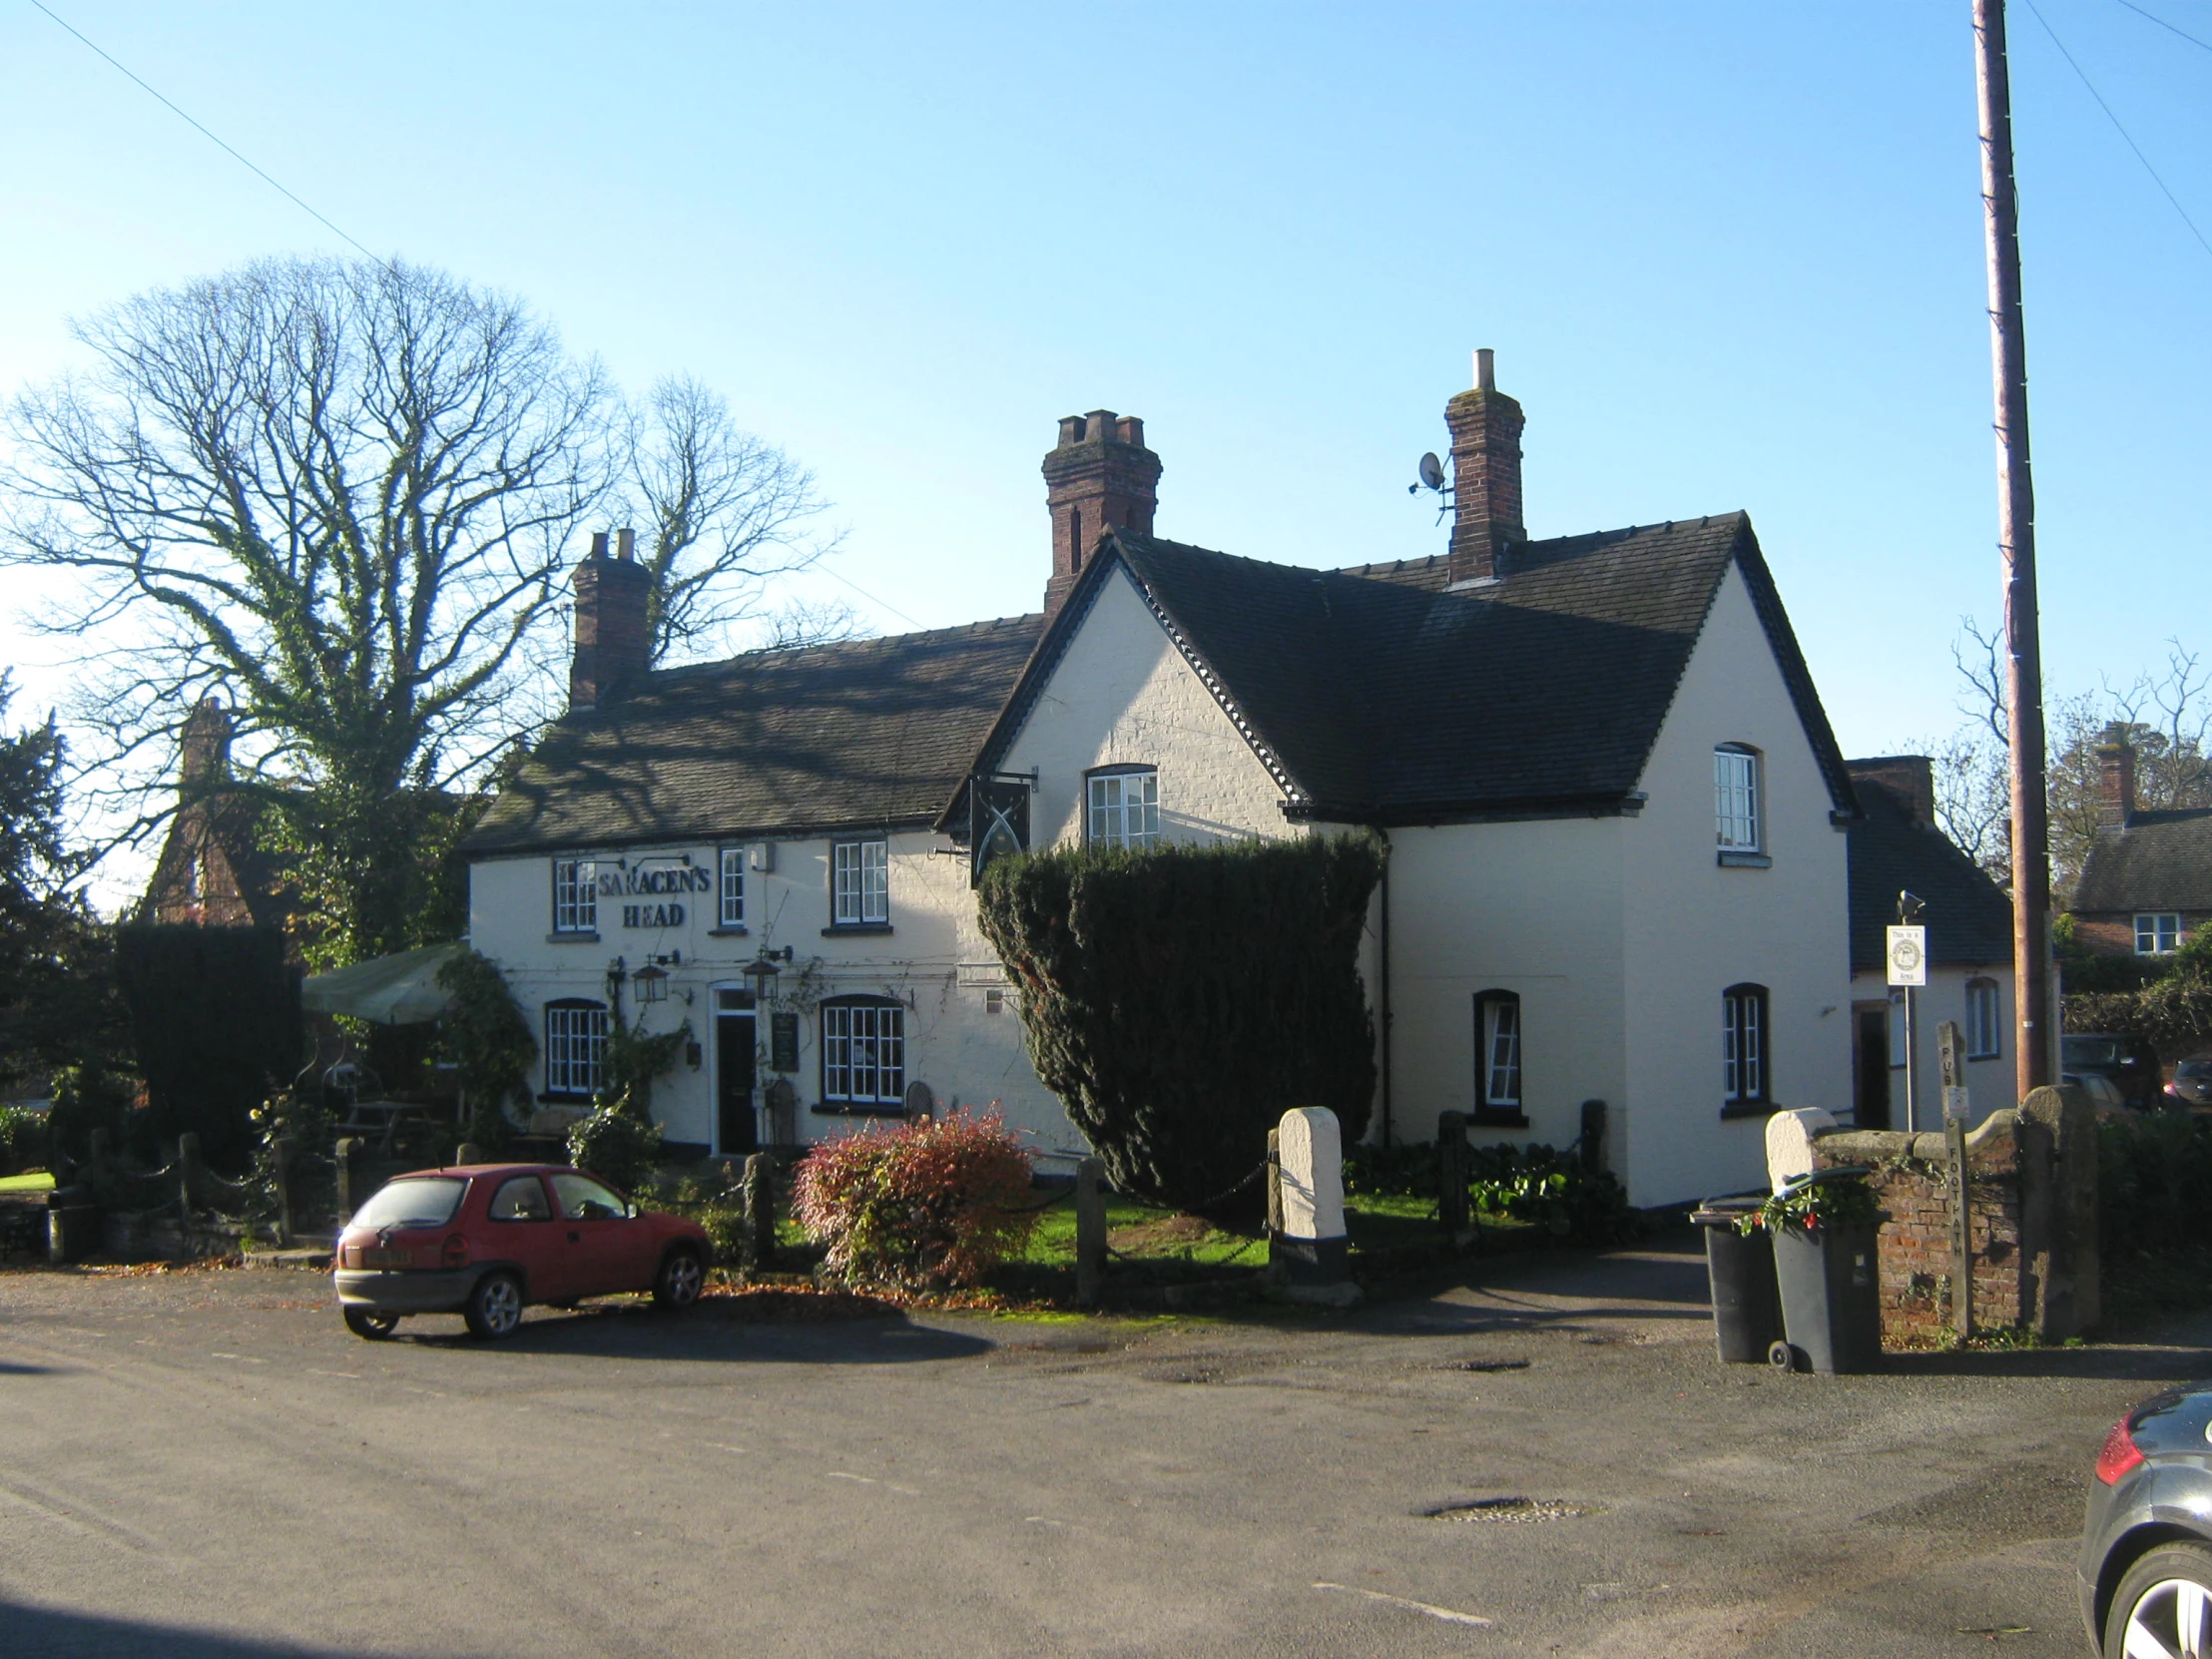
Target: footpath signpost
1907,951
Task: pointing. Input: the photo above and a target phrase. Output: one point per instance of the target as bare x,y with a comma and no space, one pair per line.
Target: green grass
36,1182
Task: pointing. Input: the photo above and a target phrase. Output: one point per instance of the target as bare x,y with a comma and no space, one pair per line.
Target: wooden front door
736,1122
1870,1063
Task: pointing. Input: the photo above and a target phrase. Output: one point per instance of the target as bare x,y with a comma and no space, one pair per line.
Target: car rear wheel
370,1325
679,1280
2163,1606
494,1305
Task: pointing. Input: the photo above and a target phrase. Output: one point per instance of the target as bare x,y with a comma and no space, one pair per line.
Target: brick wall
2032,1193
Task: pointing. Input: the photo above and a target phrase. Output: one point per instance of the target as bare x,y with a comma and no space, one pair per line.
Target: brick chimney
1485,472
206,747
1911,778
611,640
1099,478
2115,779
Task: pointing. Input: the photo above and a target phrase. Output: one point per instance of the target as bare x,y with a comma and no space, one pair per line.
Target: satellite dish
1431,471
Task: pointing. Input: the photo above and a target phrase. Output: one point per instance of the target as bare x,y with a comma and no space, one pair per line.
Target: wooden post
1451,1176
759,1211
2024,667
1961,1228
1274,1180
1090,1231
282,1151
188,1158
350,1179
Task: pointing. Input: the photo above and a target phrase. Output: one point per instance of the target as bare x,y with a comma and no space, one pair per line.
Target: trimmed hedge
215,1014
1179,1000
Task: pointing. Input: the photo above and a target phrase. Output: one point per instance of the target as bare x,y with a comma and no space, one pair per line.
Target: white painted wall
1990,1082
1693,928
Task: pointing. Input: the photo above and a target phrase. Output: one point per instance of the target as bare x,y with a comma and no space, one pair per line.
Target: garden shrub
932,1202
214,1015
23,1140
489,1042
1536,1185
85,1098
616,1145
1405,1170
2154,1171
1179,999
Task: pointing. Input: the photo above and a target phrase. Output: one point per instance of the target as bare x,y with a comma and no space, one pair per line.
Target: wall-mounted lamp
652,983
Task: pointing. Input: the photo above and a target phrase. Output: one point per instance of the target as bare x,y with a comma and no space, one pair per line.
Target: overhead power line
2163,24
227,149
2115,120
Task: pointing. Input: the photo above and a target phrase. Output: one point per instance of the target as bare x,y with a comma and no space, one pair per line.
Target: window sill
550,1097
572,938
1746,861
1751,1109
1497,1117
737,932
838,929
826,1110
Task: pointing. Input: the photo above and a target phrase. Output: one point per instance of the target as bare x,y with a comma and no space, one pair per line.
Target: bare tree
727,512
337,491
2164,716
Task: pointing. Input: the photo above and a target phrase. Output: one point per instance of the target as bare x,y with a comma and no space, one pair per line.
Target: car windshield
2090,1051
427,1201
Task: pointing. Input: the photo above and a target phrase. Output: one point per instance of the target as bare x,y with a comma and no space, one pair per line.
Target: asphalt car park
1544,1458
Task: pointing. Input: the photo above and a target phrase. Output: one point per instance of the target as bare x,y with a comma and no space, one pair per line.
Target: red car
487,1239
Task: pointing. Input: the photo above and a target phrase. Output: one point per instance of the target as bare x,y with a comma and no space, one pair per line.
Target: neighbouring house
1617,819
1896,848
213,871
2147,880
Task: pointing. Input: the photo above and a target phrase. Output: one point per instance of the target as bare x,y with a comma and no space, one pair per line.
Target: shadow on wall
54,1634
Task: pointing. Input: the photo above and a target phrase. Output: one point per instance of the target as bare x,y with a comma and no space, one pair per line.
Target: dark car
2146,1547
2131,1063
487,1239
2192,1084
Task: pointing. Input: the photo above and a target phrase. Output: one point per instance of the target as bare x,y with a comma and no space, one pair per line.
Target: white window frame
1985,1021
730,887
861,884
575,896
864,1053
575,1047
2158,932
1746,1049
1122,807
1736,808
1498,1079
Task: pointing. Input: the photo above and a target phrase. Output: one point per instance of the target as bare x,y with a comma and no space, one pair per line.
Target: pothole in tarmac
1485,1364
1513,1511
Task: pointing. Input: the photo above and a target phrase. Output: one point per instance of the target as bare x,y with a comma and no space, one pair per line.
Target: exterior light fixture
652,983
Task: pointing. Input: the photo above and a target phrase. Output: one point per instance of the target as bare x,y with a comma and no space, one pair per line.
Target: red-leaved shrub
934,1201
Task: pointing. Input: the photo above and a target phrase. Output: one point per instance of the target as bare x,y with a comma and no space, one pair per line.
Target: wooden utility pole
2024,667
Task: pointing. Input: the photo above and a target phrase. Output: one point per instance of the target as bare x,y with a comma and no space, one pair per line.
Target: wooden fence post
1451,1176
282,1151
759,1211
1090,1231
187,1161
1274,1182
350,1179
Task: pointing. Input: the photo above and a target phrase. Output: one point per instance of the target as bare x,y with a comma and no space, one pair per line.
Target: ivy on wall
1179,1000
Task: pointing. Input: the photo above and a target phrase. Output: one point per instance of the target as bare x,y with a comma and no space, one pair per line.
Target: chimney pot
1485,370
625,544
599,544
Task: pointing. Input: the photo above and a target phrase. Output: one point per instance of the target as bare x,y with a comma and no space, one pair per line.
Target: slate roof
1968,917
790,743
2160,861
1374,696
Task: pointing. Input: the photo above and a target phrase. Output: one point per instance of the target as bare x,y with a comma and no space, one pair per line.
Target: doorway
736,1124
1869,1063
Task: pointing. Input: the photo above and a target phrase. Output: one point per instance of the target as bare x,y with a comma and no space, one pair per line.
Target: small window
575,896
863,1052
861,884
2158,933
732,913
1984,1038
521,1198
1124,806
583,1199
1735,798
1896,1031
1497,1035
575,1047
1745,1079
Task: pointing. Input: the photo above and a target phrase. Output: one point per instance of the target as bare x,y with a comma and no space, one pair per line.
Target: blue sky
1728,256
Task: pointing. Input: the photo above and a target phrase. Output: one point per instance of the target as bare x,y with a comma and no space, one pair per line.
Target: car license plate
387,1257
